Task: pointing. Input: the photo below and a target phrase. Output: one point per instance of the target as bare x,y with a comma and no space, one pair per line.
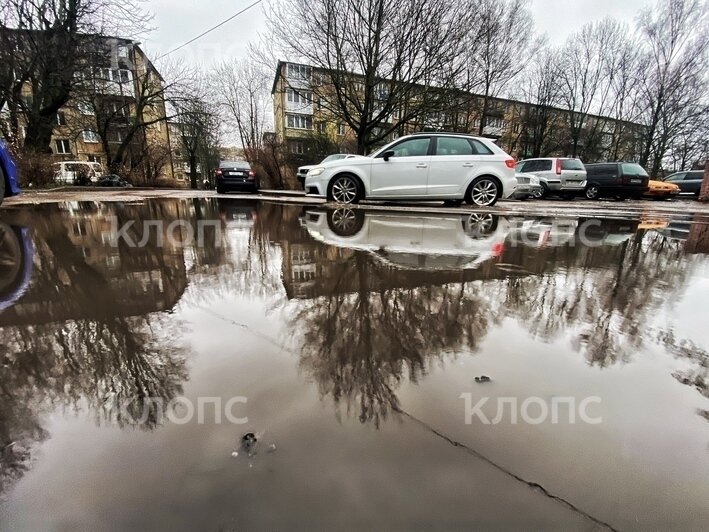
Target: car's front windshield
331,158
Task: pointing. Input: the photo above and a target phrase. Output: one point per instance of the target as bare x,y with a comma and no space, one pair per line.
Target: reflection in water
377,299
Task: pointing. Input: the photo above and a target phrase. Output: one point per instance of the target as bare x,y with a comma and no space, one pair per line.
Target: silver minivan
558,175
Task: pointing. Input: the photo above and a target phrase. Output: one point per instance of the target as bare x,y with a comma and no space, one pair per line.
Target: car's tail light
219,171
510,163
252,174
558,167
498,249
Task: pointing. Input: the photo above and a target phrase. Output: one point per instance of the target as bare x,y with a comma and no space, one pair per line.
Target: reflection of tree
360,345
85,335
367,325
606,294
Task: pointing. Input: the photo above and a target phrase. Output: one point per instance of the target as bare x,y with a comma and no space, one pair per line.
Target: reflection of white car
425,166
549,232
413,241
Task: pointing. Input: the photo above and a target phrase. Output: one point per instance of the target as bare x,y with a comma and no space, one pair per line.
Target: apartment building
523,129
116,115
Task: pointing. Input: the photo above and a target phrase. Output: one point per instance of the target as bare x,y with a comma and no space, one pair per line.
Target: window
89,136
572,164
412,147
119,109
62,146
322,128
85,108
122,50
694,176
537,165
61,118
340,129
298,71
299,121
121,76
94,158
633,169
676,177
479,148
296,147
294,96
453,146
515,128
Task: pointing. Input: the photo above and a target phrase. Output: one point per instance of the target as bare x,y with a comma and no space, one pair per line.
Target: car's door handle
421,165
468,165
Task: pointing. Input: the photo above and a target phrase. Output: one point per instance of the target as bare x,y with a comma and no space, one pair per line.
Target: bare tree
583,76
373,58
198,131
540,90
243,95
43,45
498,45
676,34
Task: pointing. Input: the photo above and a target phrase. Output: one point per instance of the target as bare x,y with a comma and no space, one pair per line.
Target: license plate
636,181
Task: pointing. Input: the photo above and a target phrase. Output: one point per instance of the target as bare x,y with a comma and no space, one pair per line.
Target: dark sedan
688,182
113,181
236,175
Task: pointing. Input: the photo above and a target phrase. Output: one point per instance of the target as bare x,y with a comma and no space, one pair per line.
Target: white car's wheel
344,189
484,192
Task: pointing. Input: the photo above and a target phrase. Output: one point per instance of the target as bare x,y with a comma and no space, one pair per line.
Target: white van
77,172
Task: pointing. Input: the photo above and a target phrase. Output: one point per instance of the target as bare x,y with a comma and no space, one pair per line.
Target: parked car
238,175
8,174
78,172
113,181
528,186
688,182
563,176
303,170
425,166
661,190
617,180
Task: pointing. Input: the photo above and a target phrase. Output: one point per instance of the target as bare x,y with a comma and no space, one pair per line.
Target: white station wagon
450,167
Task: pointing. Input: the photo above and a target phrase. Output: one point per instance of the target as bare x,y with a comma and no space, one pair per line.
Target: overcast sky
179,20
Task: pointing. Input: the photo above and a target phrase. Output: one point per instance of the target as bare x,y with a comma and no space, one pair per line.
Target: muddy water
140,342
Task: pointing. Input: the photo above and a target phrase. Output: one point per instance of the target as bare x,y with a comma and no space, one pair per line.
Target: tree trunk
704,191
39,134
193,172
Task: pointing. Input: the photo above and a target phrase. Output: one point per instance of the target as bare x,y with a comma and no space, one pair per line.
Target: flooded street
397,371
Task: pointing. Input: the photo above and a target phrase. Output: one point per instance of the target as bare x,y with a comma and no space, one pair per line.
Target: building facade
309,130
116,115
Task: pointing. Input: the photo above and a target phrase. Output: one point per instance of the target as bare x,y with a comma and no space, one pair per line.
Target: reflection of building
80,273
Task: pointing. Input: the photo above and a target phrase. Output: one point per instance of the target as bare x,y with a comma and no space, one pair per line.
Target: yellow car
661,190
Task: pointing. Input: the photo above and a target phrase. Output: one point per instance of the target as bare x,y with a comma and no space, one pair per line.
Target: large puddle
391,370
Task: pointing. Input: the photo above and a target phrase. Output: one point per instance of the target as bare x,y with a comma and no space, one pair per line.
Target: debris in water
271,448
483,378
234,454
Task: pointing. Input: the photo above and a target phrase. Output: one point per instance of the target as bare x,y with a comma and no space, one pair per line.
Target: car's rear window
633,169
537,165
572,164
695,175
234,164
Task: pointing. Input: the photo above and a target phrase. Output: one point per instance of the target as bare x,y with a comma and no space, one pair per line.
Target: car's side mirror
387,154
